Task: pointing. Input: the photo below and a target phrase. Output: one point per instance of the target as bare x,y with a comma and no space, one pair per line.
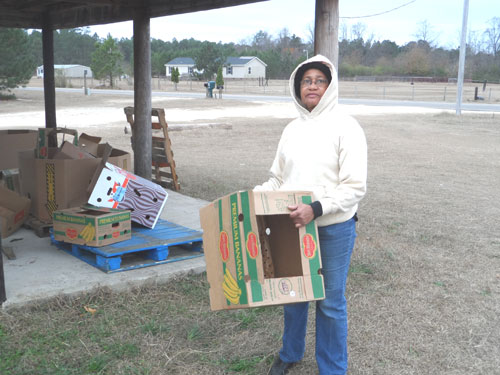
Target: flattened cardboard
14,210
89,143
70,151
92,226
12,142
116,188
120,158
238,230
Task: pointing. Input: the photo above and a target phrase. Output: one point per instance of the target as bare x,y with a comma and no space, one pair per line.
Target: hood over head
330,97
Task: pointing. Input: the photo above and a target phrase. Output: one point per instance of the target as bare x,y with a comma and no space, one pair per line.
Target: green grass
359,268
149,330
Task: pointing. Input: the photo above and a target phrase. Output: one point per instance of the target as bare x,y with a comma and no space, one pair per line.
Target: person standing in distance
324,151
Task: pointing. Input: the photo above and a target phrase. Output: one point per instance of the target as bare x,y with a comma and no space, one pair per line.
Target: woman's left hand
301,215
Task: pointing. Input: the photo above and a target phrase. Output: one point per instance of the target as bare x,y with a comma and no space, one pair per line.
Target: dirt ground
424,285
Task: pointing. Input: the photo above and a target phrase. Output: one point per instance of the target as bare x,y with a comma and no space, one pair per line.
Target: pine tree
106,60
17,64
175,76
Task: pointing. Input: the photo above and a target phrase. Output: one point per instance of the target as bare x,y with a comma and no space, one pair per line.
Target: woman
323,151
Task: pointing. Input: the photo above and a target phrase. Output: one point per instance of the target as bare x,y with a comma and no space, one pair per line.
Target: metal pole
461,63
85,82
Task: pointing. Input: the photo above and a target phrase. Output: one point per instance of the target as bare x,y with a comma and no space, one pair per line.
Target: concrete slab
41,271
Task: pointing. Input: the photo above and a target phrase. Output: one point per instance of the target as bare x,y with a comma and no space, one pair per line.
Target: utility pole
461,61
326,29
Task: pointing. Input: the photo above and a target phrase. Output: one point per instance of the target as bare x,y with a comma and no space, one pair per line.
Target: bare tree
310,33
358,30
426,33
474,41
492,36
343,30
262,40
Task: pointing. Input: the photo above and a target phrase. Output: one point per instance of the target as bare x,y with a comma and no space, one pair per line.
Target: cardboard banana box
92,226
254,254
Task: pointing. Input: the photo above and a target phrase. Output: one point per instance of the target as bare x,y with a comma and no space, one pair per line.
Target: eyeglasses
319,82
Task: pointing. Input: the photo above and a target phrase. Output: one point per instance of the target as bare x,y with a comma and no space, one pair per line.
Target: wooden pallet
40,228
163,171
167,242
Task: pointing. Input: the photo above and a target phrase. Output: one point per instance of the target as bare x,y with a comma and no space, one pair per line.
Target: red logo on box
252,247
19,216
116,234
223,246
309,246
71,233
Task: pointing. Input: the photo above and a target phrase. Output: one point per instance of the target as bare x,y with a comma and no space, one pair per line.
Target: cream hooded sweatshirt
323,151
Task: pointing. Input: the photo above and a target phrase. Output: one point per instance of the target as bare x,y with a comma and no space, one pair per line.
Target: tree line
21,52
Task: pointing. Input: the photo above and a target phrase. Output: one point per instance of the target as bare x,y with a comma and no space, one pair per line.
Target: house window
169,70
249,70
190,70
229,70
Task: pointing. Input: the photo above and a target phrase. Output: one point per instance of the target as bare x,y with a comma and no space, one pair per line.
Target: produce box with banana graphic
254,254
92,226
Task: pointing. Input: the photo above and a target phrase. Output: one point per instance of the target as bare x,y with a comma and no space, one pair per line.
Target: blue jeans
336,244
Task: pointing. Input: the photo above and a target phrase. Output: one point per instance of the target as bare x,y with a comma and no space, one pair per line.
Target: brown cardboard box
92,226
9,178
13,141
54,184
42,146
254,254
14,210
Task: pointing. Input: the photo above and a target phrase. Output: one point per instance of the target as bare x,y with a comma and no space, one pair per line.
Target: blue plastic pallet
167,242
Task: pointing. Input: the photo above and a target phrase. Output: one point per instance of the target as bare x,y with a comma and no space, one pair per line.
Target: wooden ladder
163,172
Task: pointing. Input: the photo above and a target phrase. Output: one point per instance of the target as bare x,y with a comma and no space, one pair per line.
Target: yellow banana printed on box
231,289
88,232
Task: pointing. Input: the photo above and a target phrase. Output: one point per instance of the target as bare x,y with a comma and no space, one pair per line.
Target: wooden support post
3,295
49,86
142,141
326,30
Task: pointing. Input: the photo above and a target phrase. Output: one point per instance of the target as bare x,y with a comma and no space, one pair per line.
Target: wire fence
386,90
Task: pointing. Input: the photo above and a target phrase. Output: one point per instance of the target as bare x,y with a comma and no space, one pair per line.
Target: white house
186,66
244,67
69,71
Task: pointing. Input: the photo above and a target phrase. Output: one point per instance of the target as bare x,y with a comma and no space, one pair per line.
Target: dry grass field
424,283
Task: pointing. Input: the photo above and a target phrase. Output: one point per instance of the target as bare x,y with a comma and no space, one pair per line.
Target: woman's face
312,88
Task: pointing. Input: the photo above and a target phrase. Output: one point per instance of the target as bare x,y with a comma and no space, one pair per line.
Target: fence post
489,96
413,93
444,97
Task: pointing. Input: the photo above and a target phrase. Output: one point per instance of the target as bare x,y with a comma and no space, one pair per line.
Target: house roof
182,61
65,66
241,61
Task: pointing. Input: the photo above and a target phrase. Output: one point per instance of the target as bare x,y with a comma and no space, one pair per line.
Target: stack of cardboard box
61,181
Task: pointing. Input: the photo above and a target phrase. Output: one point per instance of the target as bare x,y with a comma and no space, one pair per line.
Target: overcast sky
234,24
